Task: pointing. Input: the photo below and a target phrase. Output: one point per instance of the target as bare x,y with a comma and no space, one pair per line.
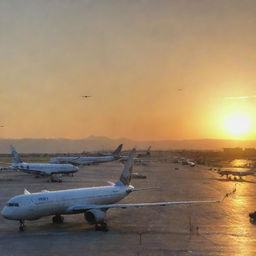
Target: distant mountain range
93,143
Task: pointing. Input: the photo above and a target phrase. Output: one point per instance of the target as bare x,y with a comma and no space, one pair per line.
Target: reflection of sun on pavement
239,227
241,163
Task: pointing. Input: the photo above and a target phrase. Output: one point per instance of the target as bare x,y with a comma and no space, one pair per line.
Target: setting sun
238,125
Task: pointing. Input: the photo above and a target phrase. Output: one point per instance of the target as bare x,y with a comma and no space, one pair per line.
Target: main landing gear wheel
252,216
101,227
22,226
58,219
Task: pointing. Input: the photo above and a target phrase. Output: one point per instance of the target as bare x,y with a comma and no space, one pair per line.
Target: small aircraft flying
92,202
85,96
54,171
85,160
235,174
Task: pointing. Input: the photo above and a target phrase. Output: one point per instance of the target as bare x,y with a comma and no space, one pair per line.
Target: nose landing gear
58,219
22,225
252,216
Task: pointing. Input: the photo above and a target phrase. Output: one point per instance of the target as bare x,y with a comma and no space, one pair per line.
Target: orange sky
132,57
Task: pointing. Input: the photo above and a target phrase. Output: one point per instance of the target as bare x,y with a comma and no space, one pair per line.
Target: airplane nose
5,213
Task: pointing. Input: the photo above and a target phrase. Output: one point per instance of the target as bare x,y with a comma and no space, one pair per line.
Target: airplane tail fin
15,155
117,151
148,151
125,177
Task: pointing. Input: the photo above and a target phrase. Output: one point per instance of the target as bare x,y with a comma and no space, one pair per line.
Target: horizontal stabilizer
150,188
26,192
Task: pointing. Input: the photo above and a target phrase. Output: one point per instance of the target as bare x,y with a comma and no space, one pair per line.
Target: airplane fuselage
83,160
36,205
45,169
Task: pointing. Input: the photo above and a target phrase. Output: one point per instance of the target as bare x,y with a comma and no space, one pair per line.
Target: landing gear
55,178
57,219
101,227
22,225
252,216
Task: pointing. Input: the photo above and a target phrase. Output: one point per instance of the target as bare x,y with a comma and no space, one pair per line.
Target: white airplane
92,202
54,171
85,160
184,161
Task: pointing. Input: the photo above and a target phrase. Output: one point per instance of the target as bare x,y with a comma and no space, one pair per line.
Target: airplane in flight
86,96
54,171
85,160
93,202
229,174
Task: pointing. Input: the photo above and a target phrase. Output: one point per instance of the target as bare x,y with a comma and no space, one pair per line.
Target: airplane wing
84,208
33,171
6,166
77,162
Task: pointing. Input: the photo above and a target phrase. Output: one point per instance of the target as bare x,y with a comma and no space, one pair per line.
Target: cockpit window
13,204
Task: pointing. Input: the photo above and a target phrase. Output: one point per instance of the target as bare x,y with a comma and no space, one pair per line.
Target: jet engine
95,216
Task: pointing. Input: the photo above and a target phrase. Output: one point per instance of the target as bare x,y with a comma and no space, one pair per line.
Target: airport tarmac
214,229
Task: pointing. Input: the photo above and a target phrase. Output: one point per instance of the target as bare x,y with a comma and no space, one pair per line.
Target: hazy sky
132,57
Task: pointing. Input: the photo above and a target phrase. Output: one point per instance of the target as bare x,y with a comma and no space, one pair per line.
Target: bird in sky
86,96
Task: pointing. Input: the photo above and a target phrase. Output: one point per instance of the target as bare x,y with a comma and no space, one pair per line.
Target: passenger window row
13,204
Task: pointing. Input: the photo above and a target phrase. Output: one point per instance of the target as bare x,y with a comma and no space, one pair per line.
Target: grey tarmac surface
214,229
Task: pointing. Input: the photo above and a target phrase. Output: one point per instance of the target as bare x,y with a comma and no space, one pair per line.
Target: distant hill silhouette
104,143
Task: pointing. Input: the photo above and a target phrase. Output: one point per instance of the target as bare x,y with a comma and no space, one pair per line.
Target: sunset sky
155,69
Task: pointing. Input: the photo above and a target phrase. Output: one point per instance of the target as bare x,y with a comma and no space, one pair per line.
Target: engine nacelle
95,216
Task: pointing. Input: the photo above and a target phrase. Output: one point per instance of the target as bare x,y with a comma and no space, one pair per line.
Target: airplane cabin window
13,204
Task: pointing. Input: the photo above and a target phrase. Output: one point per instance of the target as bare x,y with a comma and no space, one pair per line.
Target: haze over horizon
156,70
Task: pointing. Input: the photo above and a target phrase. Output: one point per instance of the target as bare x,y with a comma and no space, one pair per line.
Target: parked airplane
54,171
139,154
98,153
92,202
124,155
144,153
184,161
136,160
235,174
85,160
